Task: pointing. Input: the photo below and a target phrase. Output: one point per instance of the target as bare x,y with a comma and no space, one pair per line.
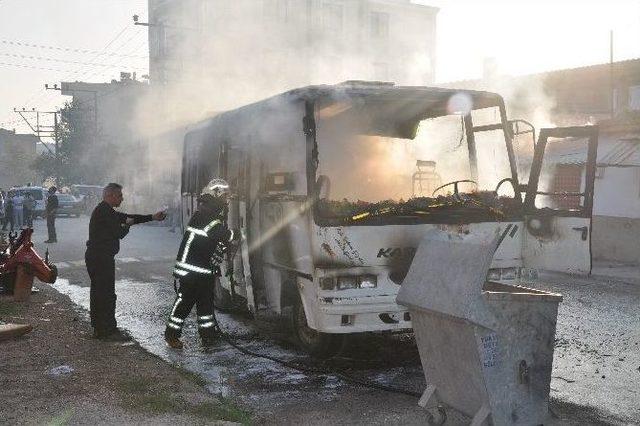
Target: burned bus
333,188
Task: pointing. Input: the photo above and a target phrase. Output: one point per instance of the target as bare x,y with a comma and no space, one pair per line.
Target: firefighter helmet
216,189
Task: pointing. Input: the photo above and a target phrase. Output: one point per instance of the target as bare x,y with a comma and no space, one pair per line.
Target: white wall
617,192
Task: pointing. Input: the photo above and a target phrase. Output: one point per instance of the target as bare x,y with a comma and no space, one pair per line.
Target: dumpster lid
448,273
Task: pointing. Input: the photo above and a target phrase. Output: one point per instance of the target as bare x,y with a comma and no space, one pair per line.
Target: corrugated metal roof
612,151
624,153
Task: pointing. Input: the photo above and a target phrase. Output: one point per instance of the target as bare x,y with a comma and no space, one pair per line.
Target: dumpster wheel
321,345
436,415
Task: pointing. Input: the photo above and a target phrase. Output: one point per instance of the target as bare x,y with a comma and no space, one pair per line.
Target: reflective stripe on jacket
203,245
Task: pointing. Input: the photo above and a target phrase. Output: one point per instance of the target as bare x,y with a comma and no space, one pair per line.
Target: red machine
20,263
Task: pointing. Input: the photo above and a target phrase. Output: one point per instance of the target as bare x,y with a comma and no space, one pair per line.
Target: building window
634,98
277,10
379,24
332,17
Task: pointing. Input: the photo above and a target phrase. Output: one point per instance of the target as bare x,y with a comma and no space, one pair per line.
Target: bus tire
222,299
316,344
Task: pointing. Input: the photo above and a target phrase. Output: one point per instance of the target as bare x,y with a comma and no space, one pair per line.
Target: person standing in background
18,213
28,206
8,212
50,212
3,201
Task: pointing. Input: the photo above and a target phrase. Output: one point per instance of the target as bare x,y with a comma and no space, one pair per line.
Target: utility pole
611,83
95,104
44,131
57,142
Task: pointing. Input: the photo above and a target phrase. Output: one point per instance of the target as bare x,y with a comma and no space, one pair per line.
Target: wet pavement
596,367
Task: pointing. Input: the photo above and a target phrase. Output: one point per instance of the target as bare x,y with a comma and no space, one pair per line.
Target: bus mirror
280,182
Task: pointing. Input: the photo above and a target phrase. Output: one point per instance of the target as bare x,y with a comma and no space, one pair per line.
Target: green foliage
147,395
63,418
76,142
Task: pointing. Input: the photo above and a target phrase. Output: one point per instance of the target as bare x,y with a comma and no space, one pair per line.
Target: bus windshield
368,177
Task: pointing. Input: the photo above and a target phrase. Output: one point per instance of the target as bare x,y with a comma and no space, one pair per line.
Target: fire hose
320,371
231,340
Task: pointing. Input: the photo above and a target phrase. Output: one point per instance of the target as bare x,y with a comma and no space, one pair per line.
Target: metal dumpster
486,348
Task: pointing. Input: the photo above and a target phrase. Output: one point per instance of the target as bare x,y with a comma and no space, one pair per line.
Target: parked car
88,195
69,205
39,195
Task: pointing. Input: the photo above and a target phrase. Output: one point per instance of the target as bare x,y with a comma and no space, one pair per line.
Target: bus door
559,200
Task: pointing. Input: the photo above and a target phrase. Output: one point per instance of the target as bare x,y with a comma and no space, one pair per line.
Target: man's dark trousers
51,227
102,296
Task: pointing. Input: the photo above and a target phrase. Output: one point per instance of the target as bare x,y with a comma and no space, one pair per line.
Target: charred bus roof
391,110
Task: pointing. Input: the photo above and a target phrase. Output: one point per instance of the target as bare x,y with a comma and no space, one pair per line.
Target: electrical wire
318,371
34,67
116,63
67,49
83,69
44,58
42,94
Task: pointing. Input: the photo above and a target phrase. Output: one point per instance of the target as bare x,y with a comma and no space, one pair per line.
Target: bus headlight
368,281
348,282
345,283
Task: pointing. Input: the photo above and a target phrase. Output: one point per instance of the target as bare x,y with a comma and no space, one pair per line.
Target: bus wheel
321,345
222,299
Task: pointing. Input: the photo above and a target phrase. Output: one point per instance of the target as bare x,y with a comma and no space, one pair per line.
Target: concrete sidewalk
58,374
622,272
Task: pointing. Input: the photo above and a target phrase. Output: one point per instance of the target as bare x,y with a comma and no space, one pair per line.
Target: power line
117,62
7,64
77,70
44,58
101,53
65,49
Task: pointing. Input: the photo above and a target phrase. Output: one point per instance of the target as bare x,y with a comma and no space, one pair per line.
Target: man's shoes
114,336
173,342
50,241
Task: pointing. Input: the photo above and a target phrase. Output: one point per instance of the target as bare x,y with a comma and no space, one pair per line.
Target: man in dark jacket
51,209
106,228
198,264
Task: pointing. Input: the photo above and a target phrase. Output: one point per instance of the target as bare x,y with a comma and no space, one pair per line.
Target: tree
76,140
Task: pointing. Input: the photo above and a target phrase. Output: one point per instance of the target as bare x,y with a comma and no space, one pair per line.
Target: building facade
17,155
219,54
116,119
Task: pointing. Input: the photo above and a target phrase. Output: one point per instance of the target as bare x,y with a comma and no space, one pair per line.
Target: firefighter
198,264
106,228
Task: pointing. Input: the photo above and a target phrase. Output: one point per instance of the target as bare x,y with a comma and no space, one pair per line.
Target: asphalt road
596,366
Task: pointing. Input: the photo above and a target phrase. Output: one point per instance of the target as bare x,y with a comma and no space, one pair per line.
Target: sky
93,40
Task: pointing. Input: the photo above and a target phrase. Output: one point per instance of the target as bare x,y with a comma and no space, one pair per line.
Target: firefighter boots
173,341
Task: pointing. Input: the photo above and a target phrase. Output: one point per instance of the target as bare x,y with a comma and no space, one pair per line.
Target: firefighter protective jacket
203,245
